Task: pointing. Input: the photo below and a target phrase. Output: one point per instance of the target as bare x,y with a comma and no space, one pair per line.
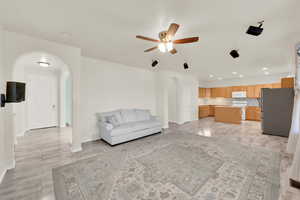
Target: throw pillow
112,120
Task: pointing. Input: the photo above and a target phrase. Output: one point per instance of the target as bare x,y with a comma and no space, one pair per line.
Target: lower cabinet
211,110
203,111
206,111
253,113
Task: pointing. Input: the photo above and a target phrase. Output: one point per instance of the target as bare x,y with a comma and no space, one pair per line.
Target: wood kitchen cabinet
204,92
276,85
207,92
224,92
228,114
228,92
201,92
214,92
203,111
253,91
253,113
239,88
287,82
211,111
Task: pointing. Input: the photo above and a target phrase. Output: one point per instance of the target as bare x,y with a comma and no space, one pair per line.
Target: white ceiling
107,29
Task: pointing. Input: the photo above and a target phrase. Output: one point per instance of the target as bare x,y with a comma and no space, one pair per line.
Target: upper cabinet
224,92
276,85
204,92
253,91
201,92
287,82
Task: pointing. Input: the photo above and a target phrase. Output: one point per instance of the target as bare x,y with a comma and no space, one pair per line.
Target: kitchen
236,104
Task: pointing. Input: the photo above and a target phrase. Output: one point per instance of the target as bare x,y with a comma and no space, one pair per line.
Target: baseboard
2,175
76,149
21,134
5,169
91,139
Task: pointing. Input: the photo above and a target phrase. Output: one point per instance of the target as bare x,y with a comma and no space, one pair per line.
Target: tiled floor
41,150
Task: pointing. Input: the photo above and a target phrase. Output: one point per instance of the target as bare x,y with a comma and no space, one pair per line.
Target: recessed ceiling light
264,68
43,64
234,73
266,73
220,78
241,75
211,76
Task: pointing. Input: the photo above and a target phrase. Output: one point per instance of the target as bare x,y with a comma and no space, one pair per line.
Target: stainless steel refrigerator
276,111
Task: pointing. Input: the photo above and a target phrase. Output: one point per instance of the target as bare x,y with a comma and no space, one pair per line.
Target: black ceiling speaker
154,63
255,30
185,65
234,53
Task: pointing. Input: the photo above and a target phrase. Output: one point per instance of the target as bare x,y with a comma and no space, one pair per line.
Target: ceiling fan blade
151,49
173,51
186,40
172,30
147,38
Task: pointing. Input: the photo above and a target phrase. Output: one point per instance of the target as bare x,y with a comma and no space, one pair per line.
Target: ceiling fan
166,42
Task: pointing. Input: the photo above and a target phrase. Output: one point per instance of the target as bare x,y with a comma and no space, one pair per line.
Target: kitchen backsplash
226,101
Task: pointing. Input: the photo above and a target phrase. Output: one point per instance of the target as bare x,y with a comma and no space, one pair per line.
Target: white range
241,104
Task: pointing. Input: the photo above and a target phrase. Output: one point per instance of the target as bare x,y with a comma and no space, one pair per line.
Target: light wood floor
41,150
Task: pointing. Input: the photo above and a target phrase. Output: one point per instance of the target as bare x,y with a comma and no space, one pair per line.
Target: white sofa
127,124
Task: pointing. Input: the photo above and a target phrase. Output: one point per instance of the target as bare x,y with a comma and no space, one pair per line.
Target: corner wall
187,96
3,166
107,86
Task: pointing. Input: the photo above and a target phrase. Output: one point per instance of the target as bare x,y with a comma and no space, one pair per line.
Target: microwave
239,94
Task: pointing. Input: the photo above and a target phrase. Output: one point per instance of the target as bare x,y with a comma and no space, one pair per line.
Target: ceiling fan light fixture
169,46
162,47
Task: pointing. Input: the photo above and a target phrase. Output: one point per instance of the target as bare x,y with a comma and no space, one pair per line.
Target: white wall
107,86
3,166
172,100
244,81
68,101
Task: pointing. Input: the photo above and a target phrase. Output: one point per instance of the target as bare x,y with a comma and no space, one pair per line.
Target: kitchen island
228,114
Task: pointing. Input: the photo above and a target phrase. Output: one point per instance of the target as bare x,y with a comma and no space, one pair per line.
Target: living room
88,111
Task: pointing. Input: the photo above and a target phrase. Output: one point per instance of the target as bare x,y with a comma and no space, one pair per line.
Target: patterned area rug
172,167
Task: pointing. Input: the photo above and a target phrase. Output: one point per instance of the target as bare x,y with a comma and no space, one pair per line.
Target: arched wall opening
25,66
178,99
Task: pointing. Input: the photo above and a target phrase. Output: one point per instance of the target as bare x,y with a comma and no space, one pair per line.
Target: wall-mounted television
15,92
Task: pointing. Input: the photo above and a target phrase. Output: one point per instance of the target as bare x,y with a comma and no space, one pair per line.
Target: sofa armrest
154,118
105,128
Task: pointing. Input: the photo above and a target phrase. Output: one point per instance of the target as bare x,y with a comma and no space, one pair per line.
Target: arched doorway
56,77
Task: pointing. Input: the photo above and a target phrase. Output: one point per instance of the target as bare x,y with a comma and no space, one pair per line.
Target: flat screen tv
15,92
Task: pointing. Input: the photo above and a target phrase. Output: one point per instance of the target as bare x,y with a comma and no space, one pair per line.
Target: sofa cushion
129,115
134,126
142,115
146,124
112,119
117,114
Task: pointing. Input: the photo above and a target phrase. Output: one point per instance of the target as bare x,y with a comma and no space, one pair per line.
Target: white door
42,101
